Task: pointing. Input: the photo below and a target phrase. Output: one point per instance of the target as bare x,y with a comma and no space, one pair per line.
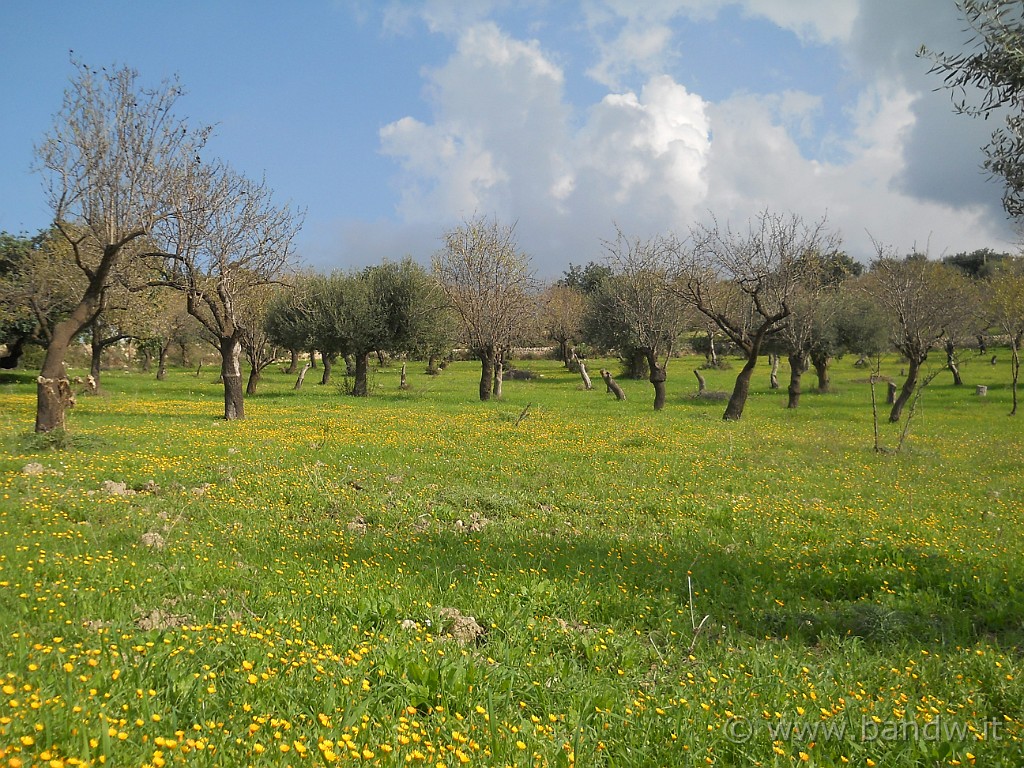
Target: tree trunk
563,352
908,390
254,379
14,352
740,390
659,374
820,363
53,390
302,375
890,396
701,384
231,375
161,366
797,366
499,377
432,369
312,359
486,373
636,366
1014,369
350,365
183,347
293,366
951,363
712,353
587,384
147,360
403,382
328,361
382,359
360,388
774,377
96,357
612,385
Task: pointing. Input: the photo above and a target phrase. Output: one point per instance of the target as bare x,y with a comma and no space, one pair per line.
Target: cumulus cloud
503,138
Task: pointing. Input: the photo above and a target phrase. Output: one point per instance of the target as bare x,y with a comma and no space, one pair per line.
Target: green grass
278,593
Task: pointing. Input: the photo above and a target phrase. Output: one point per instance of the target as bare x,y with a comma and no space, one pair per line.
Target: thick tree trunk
797,366
254,379
432,369
183,347
362,365
891,390
587,384
820,363
951,363
909,385
701,384
161,366
774,376
499,377
53,390
740,390
328,361
563,352
293,365
486,373
147,360
350,365
312,359
657,378
231,375
613,386
302,375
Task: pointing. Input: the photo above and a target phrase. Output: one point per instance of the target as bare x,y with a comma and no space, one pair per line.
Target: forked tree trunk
712,353
302,375
657,378
486,373
362,365
797,366
231,375
740,390
587,384
913,369
820,363
613,386
161,367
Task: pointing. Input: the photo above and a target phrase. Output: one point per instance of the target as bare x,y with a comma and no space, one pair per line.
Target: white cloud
503,139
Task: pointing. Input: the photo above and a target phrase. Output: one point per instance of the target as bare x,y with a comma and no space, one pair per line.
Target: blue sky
391,121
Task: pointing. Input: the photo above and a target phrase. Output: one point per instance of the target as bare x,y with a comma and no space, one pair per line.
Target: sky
390,122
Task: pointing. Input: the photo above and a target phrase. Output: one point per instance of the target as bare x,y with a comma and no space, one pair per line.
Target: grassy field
296,589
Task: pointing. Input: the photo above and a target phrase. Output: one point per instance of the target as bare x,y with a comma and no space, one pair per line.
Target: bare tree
923,300
640,304
745,282
1007,302
112,163
487,279
561,318
230,241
